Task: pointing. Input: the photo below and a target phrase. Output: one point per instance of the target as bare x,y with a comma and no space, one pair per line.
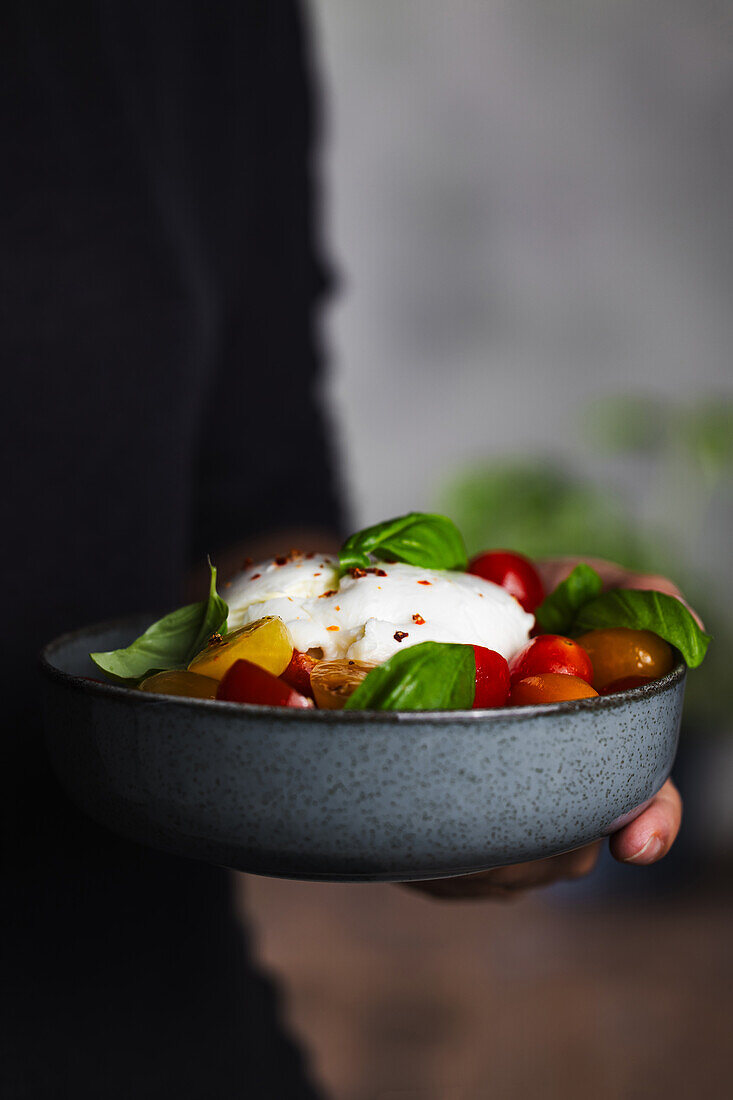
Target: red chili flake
337,608
330,592
246,563
281,560
255,576
357,572
400,634
333,628
417,618
379,573
311,555
424,582
316,574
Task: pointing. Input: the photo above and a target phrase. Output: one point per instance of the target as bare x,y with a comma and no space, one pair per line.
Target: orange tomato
549,687
624,684
618,652
181,683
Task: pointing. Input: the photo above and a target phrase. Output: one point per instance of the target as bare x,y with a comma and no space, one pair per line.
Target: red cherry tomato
298,673
492,678
513,572
624,683
551,687
551,653
245,682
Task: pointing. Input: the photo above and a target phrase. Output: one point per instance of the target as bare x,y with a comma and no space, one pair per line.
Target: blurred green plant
707,434
627,424
541,508
699,432
660,524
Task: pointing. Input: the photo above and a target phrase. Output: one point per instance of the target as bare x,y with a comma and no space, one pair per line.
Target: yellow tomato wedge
181,683
332,682
266,643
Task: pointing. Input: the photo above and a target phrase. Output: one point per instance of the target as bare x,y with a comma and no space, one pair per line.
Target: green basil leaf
428,676
170,643
419,538
643,610
557,612
214,618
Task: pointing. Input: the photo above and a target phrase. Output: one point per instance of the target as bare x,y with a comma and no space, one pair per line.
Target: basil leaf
428,676
557,612
170,643
643,610
214,618
419,538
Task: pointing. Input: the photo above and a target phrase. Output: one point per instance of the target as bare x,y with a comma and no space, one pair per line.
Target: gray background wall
530,205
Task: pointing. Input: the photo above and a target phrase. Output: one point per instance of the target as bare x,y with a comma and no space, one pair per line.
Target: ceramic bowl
349,796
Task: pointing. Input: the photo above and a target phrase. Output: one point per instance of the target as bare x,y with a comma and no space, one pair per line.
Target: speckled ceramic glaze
349,796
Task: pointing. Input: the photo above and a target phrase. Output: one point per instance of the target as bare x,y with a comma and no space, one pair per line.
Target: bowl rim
314,715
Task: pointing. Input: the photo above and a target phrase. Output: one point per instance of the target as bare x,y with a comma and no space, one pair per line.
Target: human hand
555,570
644,841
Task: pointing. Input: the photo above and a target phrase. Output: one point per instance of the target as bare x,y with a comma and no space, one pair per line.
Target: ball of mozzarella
370,616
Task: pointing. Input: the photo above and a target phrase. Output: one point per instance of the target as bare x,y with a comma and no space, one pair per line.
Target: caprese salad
402,620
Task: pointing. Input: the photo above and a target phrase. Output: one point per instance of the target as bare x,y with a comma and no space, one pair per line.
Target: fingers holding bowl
555,570
512,881
652,834
644,841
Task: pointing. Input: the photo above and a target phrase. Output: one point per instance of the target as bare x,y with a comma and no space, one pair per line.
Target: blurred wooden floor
400,998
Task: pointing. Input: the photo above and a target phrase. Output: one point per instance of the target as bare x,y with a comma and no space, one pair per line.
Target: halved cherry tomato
492,678
551,653
333,682
298,672
624,684
550,687
246,682
181,683
617,652
513,572
266,643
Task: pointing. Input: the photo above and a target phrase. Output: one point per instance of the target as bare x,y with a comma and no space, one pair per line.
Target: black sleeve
267,454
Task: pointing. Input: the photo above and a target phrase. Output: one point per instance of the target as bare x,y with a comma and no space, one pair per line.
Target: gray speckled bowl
351,796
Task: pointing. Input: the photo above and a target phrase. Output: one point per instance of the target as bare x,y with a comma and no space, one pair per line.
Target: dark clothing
158,278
